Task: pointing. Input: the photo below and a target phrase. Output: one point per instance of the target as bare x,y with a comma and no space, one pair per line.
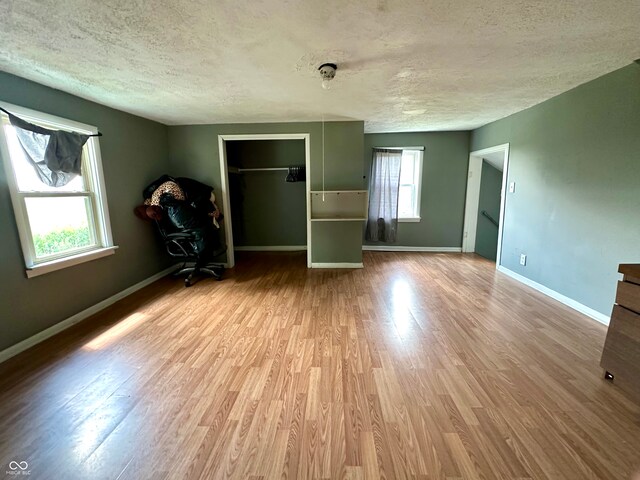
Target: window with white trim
58,226
410,186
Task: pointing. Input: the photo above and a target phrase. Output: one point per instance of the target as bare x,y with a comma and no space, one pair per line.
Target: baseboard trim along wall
569,302
398,248
337,265
272,248
78,317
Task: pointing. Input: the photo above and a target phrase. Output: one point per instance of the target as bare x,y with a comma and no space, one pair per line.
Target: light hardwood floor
425,366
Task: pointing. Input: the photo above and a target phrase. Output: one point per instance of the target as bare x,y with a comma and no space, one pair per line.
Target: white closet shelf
339,205
338,219
338,192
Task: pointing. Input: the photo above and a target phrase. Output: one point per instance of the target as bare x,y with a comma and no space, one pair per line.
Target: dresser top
631,269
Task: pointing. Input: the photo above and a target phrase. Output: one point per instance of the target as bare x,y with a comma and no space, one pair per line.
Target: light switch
512,187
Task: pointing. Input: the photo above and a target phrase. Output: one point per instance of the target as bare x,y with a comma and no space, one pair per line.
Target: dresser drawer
621,353
629,296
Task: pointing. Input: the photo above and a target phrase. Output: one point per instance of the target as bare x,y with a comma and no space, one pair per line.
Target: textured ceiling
403,65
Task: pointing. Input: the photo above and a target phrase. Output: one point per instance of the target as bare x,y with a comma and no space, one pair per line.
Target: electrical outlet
523,259
512,187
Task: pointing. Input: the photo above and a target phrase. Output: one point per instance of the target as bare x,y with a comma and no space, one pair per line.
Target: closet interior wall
266,210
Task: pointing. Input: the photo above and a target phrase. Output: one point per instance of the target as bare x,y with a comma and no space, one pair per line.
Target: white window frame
104,241
417,175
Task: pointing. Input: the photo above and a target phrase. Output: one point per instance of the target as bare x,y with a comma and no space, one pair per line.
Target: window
58,226
410,183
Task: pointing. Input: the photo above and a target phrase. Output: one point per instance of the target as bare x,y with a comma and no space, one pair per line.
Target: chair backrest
178,244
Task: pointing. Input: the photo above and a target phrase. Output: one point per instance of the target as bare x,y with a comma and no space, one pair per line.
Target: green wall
194,152
576,210
489,201
266,210
134,152
444,182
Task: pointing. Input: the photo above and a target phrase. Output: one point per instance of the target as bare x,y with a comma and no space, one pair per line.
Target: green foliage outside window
61,240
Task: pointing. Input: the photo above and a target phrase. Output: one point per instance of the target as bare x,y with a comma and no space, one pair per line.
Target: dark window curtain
55,155
34,146
384,185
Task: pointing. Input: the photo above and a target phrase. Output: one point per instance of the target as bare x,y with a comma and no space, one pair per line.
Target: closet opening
265,193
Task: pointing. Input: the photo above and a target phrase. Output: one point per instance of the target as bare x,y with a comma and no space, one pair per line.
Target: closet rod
263,169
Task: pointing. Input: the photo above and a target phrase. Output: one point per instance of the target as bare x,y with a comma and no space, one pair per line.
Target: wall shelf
339,219
339,205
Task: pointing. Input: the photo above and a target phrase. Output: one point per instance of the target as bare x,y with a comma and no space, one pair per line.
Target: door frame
224,180
473,198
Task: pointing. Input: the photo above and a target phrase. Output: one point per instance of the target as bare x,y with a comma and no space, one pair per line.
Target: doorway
225,170
485,202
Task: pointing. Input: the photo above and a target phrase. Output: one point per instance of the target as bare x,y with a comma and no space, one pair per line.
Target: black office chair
194,247
184,245
184,213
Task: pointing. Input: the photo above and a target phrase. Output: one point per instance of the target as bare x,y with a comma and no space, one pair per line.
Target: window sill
61,263
410,220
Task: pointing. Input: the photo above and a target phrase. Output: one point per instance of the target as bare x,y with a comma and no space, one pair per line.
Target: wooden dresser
621,354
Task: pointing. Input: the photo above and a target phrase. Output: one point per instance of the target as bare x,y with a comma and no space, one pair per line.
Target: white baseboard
272,248
78,317
336,265
569,302
398,248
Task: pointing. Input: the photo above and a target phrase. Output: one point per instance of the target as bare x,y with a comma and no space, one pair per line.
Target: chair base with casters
183,245
192,271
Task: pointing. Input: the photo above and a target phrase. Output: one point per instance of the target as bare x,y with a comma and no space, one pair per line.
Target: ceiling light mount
327,72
